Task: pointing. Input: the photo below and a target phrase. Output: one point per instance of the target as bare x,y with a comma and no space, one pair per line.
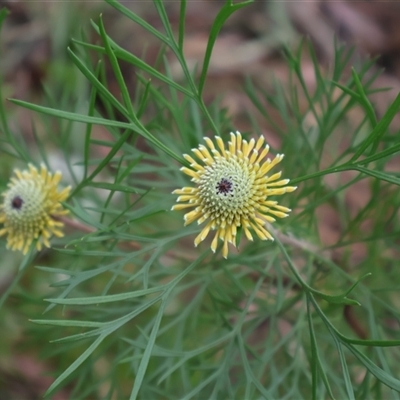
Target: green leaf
316,365
363,99
346,376
75,364
347,340
379,373
92,101
381,154
125,55
378,174
337,299
182,14
134,60
72,116
248,371
164,19
342,298
226,11
147,353
99,121
117,72
140,21
67,323
112,186
375,136
106,299
92,78
347,90
83,215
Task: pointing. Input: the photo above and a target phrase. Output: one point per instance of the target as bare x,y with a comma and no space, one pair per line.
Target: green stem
317,174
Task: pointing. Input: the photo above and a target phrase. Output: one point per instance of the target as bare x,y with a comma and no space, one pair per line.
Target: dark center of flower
16,203
224,186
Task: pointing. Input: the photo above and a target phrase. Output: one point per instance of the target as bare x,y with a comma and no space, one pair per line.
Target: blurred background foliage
35,67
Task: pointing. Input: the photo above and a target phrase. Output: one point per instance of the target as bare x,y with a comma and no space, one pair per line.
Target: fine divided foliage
136,311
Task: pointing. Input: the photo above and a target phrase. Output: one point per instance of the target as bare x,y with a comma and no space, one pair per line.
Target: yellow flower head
232,190
30,208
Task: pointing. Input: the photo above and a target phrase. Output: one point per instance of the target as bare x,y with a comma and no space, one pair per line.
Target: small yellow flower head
232,190
31,207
